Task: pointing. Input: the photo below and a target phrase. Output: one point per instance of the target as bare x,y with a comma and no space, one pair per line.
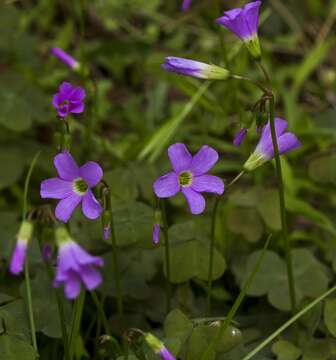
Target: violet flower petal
64,57
239,137
90,277
18,258
76,107
180,157
55,188
91,172
165,354
166,185
72,285
90,206
186,5
78,94
208,183
66,207
195,200
66,166
83,258
204,160
156,234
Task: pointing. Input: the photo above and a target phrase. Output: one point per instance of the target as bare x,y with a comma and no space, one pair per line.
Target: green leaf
177,325
15,161
12,348
191,259
285,350
269,208
330,315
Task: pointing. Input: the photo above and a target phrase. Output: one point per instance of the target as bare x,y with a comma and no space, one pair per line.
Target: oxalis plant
79,183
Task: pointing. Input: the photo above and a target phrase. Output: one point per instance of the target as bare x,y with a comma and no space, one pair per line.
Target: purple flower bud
165,354
107,232
75,266
156,233
240,136
46,252
69,99
195,69
65,58
186,5
264,151
19,253
243,22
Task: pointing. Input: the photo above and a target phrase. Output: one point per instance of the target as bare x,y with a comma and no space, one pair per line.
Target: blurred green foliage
136,110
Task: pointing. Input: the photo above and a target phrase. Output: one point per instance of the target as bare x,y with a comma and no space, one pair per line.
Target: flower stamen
185,178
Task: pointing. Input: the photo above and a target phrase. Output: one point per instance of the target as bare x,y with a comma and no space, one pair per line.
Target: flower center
185,178
80,186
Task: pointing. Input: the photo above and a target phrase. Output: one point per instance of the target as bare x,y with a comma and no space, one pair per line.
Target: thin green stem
101,312
208,353
287,324
254,82
30,306
167,255
26,267
116,263
76,321
212,241
289,263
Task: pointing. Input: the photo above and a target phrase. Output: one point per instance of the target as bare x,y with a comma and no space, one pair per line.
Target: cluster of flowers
74,184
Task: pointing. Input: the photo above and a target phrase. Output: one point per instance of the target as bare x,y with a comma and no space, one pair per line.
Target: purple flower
73,186
65,58
156,233
106,232
194,68
19,252
264,151
240,136
243,22
186,5
189,176
75,266
69,99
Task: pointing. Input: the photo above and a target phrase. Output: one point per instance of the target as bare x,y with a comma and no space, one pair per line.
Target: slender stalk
76,321
115,263
289,323
101,312
26,267
167,255
254,82
30,306
289,263
221,331
212,241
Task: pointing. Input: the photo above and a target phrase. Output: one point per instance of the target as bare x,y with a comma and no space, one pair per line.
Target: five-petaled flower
20,249
69,99
75,266
264,151
189,176
194,68
243,22
73,186
65,58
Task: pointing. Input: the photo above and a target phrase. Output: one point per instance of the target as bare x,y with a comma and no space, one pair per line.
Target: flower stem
116,264
30,306
76,321
26,267
289,263
167,255
210,350
212,241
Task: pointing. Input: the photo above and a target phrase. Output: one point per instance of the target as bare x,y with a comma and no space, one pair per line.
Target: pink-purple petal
55,188
78,94
18,258
76,107
90,277
180,157
66,166
91,172
66,207
72,285
204,160
195,200
208,183
90,206
82,257
166,185
288,142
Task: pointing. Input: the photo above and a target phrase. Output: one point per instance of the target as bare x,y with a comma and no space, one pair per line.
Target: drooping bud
65,58
240,136
195,69
106,222
19,253
158,347
157,226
